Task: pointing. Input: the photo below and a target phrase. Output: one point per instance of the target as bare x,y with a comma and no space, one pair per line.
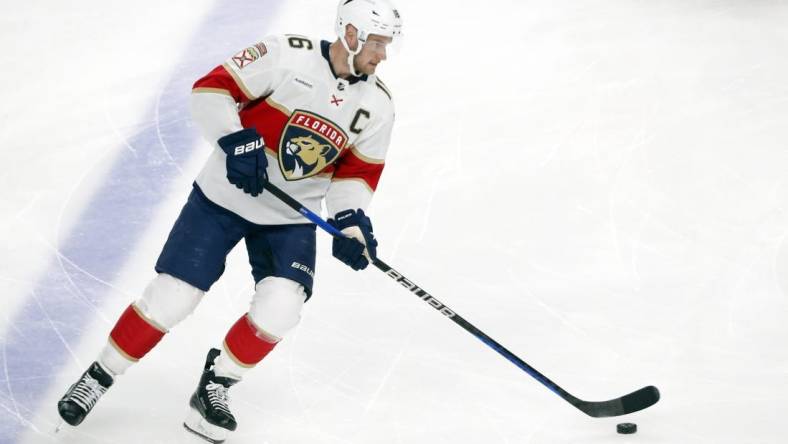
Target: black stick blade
631,403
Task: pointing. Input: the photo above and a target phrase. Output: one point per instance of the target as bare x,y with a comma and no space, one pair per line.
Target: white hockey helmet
378,17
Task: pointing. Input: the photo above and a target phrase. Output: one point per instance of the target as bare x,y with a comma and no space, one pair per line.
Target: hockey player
311,117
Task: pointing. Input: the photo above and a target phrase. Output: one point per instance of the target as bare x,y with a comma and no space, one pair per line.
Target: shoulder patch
383,88
249,55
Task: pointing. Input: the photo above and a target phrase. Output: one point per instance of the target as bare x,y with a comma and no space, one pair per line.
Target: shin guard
247,344
134,335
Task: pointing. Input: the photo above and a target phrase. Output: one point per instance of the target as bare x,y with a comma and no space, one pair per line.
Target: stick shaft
632,402
424,295
470,328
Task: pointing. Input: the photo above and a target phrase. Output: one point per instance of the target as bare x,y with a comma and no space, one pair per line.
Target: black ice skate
210,416
80,398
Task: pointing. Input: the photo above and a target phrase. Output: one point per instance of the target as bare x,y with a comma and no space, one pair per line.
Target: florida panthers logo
309,143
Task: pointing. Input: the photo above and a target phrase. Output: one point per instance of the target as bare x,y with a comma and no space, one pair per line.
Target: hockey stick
630,403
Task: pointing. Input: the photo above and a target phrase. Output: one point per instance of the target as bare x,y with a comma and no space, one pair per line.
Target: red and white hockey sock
130,340
244,346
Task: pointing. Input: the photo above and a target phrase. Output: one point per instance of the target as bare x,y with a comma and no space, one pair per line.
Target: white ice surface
601,186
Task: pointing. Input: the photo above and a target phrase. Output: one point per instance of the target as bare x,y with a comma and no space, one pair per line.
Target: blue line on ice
65,297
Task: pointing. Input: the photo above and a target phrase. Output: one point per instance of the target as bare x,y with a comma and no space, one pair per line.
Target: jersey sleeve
359,169
249,74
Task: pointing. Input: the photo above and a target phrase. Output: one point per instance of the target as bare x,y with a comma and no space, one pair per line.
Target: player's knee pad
168,300
276,306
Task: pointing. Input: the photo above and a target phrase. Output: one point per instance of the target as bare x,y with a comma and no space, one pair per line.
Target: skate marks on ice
642,220
113,201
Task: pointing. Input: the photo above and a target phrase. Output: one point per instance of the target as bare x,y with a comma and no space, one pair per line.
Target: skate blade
60,426
196,424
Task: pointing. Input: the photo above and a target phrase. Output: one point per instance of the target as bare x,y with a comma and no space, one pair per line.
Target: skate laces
218,397
87,392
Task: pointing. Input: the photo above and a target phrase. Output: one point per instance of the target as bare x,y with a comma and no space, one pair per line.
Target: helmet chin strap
351,55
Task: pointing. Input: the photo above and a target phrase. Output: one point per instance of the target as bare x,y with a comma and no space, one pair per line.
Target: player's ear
351,37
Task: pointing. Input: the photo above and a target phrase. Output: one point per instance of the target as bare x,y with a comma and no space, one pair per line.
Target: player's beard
367,68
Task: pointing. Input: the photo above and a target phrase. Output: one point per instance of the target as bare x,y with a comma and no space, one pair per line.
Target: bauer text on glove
360,246
246,160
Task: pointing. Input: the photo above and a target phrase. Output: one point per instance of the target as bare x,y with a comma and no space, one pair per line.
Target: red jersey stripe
219,78
268,118
351,166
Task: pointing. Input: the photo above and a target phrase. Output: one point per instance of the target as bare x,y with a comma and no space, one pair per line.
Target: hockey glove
246,160
360,246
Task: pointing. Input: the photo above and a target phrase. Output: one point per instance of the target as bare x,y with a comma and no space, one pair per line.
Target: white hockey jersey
325,137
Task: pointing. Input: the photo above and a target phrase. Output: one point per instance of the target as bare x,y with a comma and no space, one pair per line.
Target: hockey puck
627,428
